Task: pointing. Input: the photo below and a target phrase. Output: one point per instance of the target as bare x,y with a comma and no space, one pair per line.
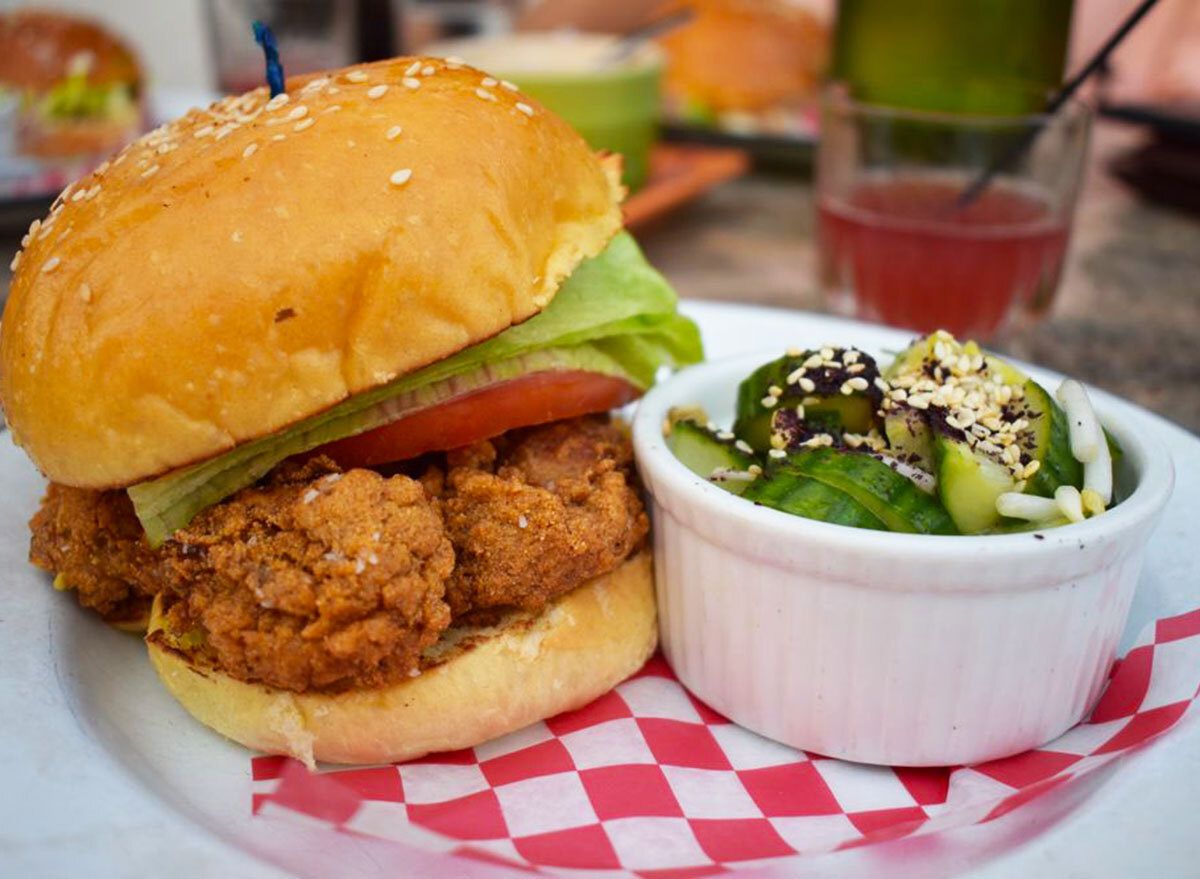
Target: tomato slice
531,399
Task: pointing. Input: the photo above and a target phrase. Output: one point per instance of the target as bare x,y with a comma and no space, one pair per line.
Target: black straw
1010,155
266,39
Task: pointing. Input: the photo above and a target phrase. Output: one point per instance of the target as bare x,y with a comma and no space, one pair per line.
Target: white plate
102,774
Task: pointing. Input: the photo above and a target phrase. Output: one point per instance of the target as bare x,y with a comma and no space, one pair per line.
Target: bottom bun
474,684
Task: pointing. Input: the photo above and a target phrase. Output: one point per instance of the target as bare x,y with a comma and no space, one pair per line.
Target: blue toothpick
266,39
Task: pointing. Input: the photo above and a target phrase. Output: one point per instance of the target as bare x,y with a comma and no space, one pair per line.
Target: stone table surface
1126,318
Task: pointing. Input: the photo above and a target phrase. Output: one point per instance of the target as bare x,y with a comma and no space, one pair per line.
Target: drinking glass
897,245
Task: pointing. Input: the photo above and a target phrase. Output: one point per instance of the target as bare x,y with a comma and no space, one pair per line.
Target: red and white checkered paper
649,780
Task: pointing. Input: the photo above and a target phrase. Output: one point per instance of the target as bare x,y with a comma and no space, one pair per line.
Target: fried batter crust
321,579
93,539
538,513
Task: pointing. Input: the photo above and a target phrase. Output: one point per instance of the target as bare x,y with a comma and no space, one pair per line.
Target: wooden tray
679,173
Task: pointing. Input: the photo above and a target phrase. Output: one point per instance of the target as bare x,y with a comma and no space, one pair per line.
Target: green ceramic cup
614,107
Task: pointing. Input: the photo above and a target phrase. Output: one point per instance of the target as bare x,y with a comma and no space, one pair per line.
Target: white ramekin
887,648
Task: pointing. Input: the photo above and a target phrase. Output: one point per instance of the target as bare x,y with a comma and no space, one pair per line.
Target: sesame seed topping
303,124
85,292
807,385
410,83
16,261
78,195
488,82
525,108
298,112
377,91
428,70
317,84
249,151
743,446
485,94
770,401
50,265
413,69
522,522
204,131
505,84
725,435
399,178
279,137
333,108
357,76
153,169
393,132
311,495
454,62
777,453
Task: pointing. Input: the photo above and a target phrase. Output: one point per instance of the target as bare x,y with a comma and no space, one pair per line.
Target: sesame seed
743,446
50,265
377,91
489,82
153,169
919,401
410,83
249,151
204,132
794,376
428,70
453,61
360,566
486,95
525,108
777,453
1031,468
775,391
393,132
807,385
279,137
505,84
16,261
316,84
78,195
813,362
226,131
236,237
856,367
522,522
754,469
413,69
851,356
303,124
882,385
800,411
85,292
826,353
725,435
399,178
332,108
357,76
298,112
858,383
311,495
769,402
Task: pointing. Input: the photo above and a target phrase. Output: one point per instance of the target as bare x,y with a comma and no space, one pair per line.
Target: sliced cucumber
1051,443
812,499
710,457
968,484
910,437
836,411
887,495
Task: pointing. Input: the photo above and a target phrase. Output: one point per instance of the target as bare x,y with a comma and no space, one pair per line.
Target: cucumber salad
946,439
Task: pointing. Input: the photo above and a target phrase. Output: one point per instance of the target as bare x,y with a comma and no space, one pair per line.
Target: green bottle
983,57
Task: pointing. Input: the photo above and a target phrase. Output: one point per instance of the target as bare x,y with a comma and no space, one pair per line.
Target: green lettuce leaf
615,315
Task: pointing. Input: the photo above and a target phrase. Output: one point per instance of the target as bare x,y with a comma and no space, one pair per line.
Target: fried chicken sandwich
321,383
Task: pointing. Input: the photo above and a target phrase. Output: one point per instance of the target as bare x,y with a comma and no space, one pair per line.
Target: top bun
254,263
38,49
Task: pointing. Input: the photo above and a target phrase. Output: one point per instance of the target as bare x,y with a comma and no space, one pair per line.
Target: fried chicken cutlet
322,579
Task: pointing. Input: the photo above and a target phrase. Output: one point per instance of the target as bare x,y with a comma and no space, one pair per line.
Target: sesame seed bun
474,684
257,262
37,49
